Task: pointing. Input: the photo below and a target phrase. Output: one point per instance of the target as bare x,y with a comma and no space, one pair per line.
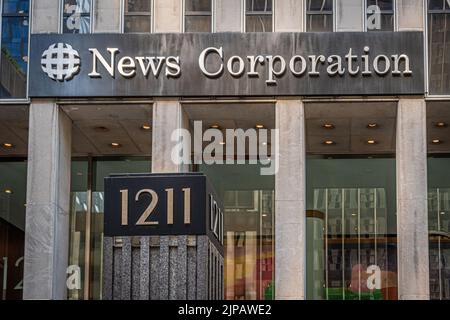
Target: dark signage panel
156,204
226,64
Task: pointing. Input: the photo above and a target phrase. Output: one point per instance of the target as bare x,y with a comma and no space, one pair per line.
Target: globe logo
60,62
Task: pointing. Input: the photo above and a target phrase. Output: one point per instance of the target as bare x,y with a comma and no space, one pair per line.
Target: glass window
248,229
13,183
439,225
258,15
14,49
439,47
198,16
438,131
87,187
77,16
319,15
380,15
137,16
351,226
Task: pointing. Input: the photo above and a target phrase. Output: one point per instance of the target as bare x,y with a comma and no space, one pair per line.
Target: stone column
168,116
410,15
48,200
167,16
289,15
45,16
107,16
290,194
412,212
228,16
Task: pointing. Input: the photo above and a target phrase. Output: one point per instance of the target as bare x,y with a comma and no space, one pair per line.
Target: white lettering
202,61
376,64
173,68
230,65
156,69
127,67
108,67
302,70
272,72
336,67
314,61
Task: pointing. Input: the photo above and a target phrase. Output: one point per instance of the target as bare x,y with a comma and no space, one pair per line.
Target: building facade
359,205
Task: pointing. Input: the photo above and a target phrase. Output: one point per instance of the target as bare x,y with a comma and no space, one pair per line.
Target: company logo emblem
60,62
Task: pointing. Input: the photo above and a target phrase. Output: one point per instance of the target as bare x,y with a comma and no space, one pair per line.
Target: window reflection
77,16
137,16
248,230
13,177
86,217
319,16
380,15
439,46
14,49
198,16
351,224
258,16
439,226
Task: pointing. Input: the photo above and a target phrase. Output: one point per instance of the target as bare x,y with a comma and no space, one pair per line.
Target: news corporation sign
226,64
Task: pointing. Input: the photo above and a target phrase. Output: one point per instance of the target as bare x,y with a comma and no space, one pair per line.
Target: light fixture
371,141
328,126
8,145
372,126
222,143
264,143
101,129
115,145
354,214
215,126
8,191
441,124
329,142
442,212
259,126
264,215
436,141
145,127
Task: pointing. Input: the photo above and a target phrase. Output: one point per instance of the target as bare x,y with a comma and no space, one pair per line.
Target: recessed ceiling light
441,124
328,126
8,145
222,142
372,126
436,141
371,141
442,212
115,145
215,126
145,127
264,215
329,142
101,129
259,126
8,191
